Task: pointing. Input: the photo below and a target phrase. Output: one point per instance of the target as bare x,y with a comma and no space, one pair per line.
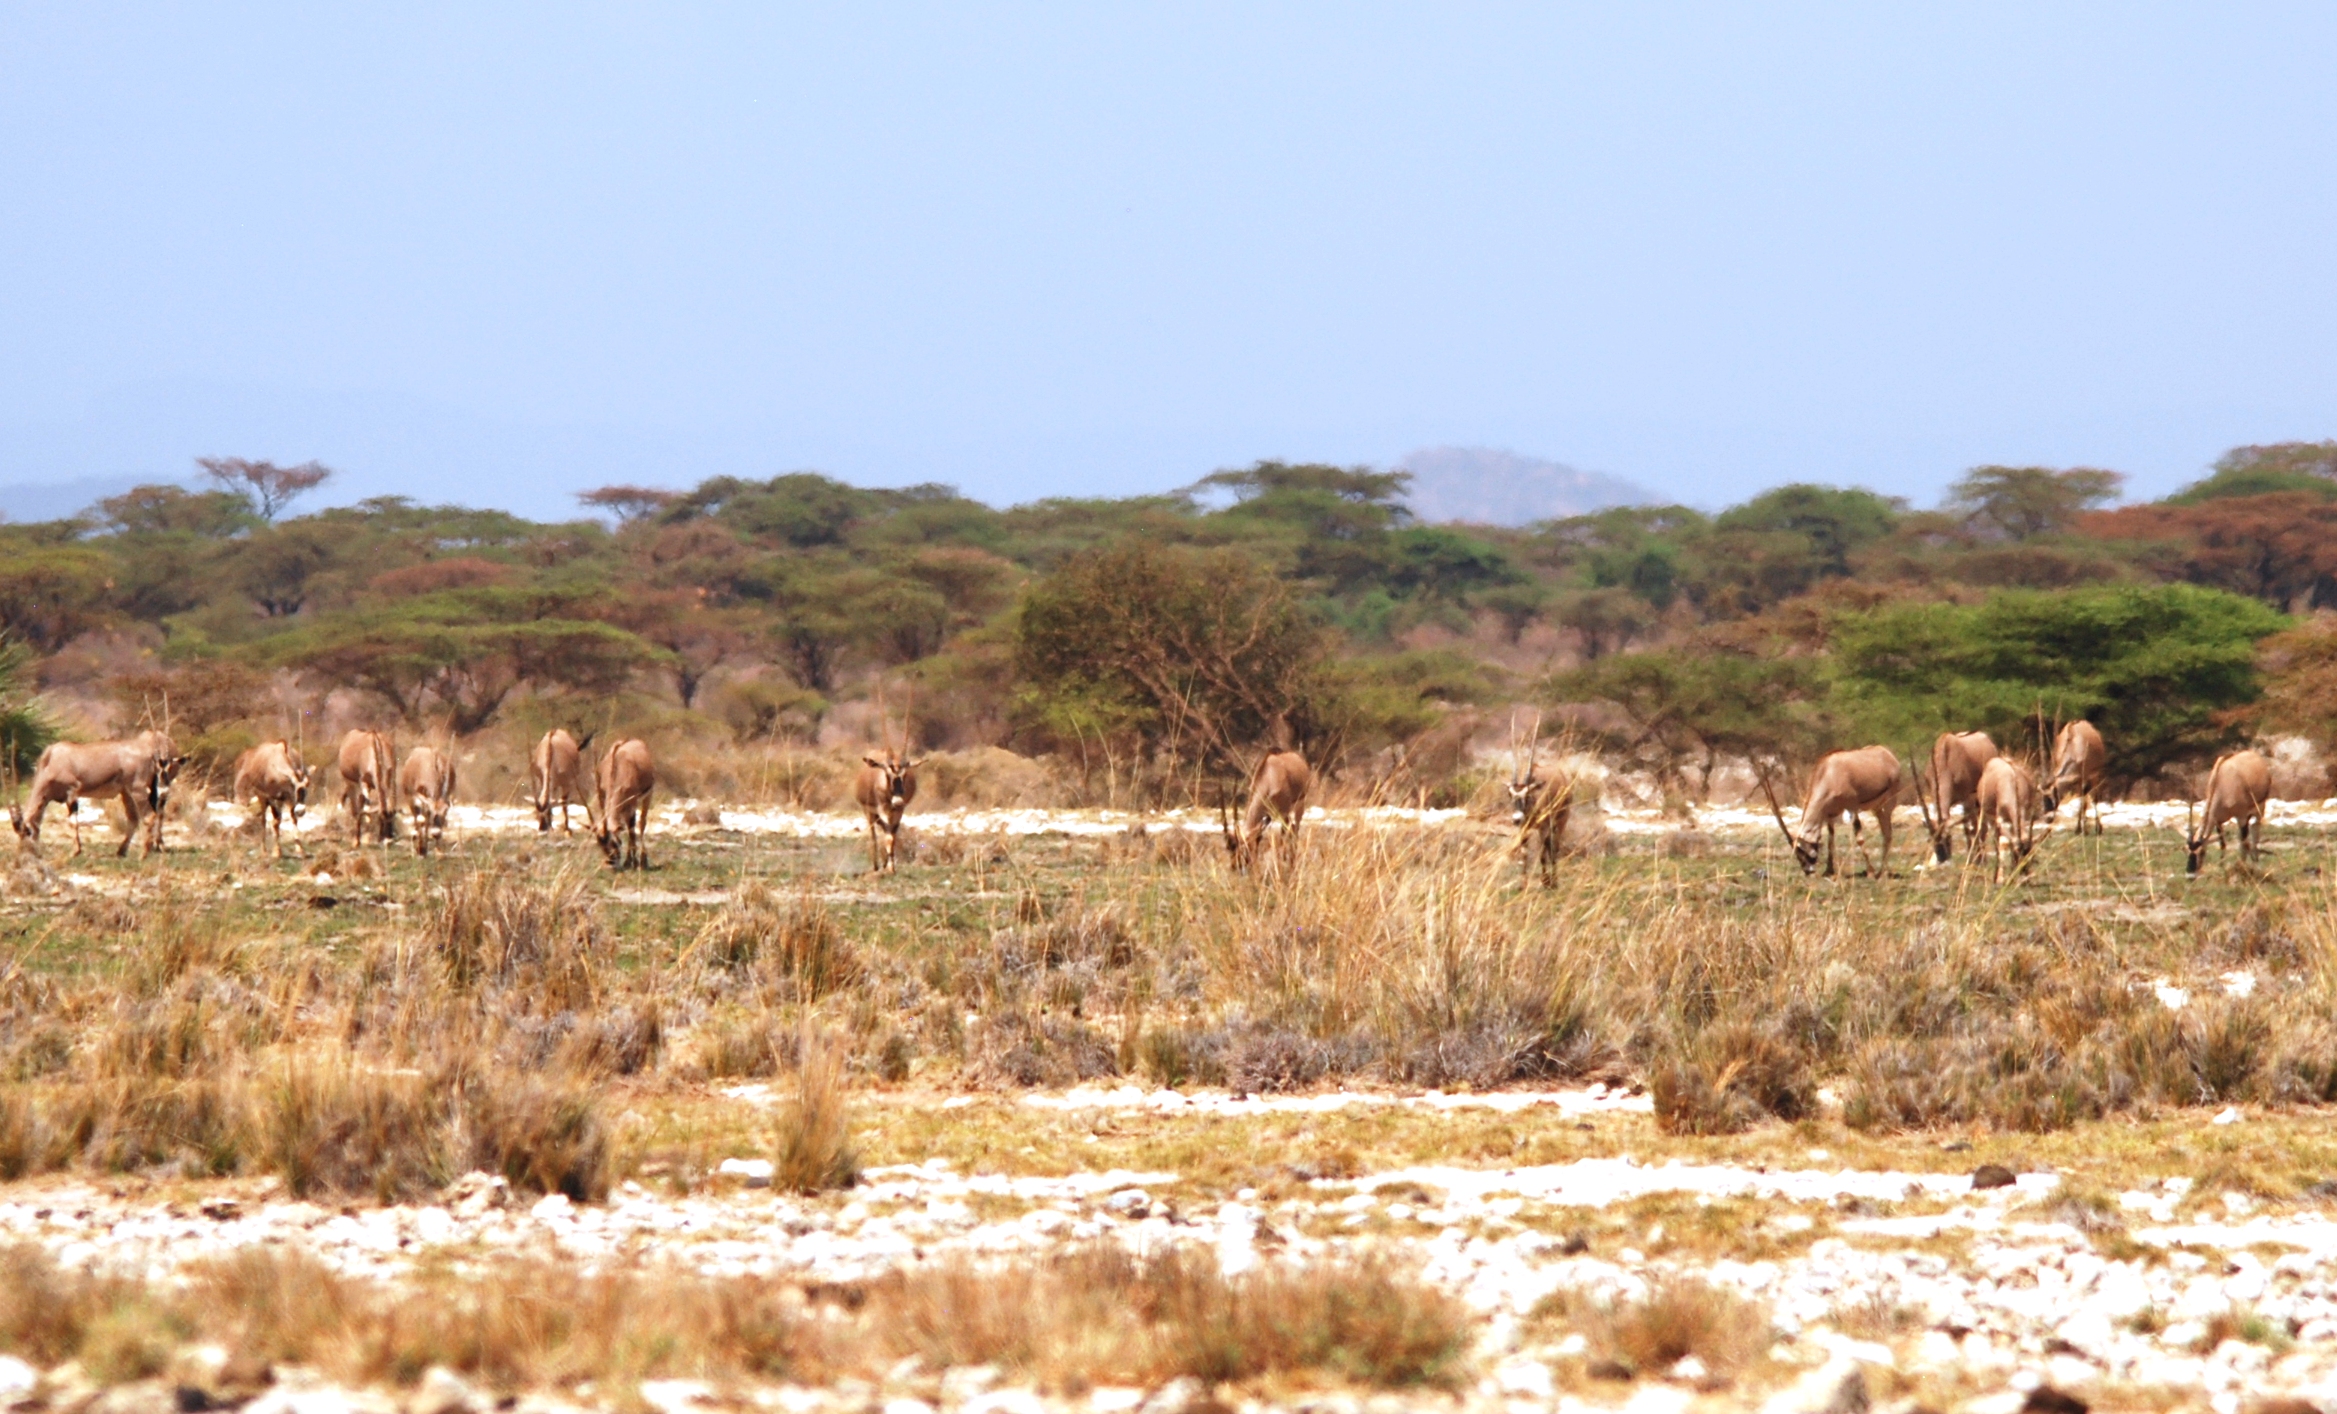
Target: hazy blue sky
496,253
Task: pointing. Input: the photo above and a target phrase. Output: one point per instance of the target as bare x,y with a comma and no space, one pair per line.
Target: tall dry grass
476,1041
1088,1316
1411,956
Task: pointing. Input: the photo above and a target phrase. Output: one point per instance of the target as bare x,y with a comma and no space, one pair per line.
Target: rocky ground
1941,1288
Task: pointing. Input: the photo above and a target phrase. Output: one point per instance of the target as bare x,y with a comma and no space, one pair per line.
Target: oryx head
1524,788
2195,839
896,776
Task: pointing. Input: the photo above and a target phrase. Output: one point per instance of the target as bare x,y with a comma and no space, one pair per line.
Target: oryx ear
871,760
913,765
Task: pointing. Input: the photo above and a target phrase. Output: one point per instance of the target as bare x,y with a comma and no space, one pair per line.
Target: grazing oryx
2010,807
1539,804
1845,783
885,785
1278,791
2079,761
368,772
559,776
426,785
1957,759
272,779
2237,790
139,771
621,803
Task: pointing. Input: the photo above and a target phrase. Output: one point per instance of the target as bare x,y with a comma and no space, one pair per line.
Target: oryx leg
1858,838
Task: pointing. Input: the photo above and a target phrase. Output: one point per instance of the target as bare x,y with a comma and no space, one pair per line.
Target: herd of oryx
1996,804
1992,799
273,780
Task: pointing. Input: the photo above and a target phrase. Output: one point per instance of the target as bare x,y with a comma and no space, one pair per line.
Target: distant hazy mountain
1488,486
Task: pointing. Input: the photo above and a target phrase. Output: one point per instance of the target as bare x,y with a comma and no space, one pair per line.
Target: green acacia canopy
2157,668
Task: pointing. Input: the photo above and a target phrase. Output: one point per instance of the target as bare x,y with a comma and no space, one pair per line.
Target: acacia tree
628,503
2159,669
2280,547
2300,681
51,593
268,488
2024,502
697,636
464,652
1201,652
1673,711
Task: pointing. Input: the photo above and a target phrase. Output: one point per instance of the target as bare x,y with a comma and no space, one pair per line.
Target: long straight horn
1915,773
1775,812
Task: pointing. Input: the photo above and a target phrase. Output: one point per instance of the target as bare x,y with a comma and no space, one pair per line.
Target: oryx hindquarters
1278,792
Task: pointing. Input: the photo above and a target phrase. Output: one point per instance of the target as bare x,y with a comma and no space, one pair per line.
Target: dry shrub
728,1046
331,1126
1676,1317
1093,1315
1101,1314
539,936
1021,1047
45,1311
528,1323
1401,952
1729,1078
792,948
1178,1055
987,777
543,1133
814,1150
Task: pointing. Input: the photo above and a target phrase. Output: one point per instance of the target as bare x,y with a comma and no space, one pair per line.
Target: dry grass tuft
1100,1314
793,948
1676,1317
814,1134
1090,1316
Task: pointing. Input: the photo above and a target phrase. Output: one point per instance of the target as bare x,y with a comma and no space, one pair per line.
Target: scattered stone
2045,1399
702,814
1836,1387
1993,1176
222,1209
754,1173
676,1396
307,1398
2283,1404
442,1391
1182,1395
1689,1370
476,1193
18,1380
138,1397
1005,1401
1524,1379
1129,1203
961,1383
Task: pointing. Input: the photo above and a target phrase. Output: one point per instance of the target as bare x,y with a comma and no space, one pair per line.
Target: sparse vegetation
534,1323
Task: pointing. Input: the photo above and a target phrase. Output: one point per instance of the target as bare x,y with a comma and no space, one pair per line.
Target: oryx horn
1779,814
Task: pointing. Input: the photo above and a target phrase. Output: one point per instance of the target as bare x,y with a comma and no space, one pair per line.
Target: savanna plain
1066,1114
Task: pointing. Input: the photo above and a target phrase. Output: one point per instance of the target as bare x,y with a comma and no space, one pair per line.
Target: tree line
1179,633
